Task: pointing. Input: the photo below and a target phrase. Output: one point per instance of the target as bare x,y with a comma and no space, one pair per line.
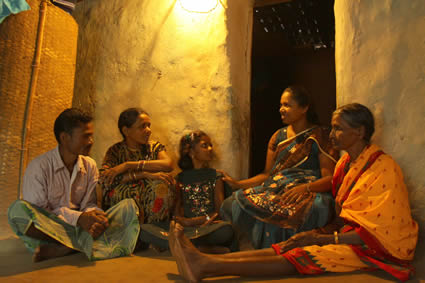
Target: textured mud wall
173,62
380,62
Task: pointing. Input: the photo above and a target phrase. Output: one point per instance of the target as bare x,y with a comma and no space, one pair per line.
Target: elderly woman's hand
294,195
110,174
301,240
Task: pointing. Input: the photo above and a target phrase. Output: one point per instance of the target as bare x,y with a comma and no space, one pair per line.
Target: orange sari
374,202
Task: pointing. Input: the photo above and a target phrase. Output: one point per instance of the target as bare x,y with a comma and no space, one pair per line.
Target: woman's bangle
129,176
308,187
143,165
134,175
336,237
138,165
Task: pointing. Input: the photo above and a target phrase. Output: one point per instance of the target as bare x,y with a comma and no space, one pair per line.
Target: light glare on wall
199,6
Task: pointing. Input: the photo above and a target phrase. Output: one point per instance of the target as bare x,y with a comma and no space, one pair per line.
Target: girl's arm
218,195
178,210
260,178
200,220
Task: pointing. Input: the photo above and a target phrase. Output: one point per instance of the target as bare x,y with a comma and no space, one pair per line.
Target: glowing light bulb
199,6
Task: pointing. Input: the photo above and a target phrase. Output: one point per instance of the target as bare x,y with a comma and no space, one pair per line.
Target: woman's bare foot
214,249
51,250
171,244
189,259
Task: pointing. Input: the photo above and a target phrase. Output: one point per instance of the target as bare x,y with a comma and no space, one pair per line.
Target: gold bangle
143,165
336,237
308,187
129,176
135,177
138,164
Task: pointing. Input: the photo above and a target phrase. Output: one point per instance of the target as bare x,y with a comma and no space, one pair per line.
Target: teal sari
260,212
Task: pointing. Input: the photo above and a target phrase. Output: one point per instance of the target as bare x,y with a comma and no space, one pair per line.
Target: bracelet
129,175
308,187
207,217
135,177
143,165
138,164
336,237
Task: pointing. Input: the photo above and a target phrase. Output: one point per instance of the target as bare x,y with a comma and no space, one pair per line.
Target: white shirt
48,184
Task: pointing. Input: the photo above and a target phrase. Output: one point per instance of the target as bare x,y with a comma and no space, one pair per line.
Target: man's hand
94,222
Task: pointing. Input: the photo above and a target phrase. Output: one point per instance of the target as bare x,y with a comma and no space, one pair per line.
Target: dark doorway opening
293,43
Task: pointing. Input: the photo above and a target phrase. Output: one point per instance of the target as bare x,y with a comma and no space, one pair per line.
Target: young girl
199,195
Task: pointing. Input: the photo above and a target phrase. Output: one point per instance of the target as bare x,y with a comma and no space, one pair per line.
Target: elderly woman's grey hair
357,115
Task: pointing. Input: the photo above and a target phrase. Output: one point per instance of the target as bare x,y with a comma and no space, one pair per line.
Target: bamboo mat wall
54,87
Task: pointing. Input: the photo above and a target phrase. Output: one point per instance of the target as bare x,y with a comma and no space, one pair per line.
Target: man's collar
59,164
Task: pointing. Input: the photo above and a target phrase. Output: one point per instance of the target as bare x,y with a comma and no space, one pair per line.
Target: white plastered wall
380,62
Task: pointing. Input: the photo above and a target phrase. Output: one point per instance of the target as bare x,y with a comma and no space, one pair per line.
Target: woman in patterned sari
137,168
373,229
293,192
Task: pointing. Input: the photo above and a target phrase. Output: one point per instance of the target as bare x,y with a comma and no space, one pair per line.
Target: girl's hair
357,115
187,142
303,99
128,117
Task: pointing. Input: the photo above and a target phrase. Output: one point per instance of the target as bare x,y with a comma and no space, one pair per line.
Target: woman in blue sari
293,192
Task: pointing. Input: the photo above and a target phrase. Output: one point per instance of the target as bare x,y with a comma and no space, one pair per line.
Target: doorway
292,43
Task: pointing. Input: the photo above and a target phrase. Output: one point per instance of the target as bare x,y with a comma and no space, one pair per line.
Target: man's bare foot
189,259
51,250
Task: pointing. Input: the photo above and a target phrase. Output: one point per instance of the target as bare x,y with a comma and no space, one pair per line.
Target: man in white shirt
58,213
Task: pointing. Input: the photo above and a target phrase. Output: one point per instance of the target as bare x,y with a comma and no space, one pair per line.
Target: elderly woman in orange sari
373,228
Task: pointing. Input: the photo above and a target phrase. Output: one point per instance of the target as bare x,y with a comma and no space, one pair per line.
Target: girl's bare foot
51,250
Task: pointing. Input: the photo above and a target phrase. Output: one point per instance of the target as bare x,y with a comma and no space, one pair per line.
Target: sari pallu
374,203
297,162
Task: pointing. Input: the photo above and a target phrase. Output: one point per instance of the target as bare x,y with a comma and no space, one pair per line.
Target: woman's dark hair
70,119
357,115
303,99
128,117
187,142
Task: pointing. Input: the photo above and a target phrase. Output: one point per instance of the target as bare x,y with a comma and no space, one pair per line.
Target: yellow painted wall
173,62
